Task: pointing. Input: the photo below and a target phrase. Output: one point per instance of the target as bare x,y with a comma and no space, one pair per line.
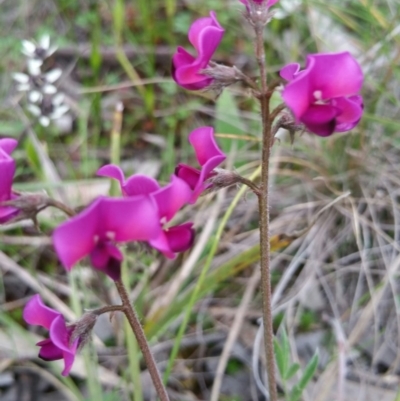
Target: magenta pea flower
59,345
106,222
325,95
7,171
208,155
169,200
205,34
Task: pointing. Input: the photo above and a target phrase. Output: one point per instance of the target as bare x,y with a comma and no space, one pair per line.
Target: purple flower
7,171
324,96
97,229
205,35
169,200
208,155
59,345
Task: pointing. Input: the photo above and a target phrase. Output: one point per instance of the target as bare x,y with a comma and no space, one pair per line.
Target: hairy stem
59,205
134,322
107,309
254,187
263,204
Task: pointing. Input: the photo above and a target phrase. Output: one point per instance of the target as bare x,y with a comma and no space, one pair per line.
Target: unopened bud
258,12
82,329
223,179
222,75
28,204
288,122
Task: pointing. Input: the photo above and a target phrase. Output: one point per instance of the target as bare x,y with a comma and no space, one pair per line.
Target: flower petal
139,184
172,197
290,71
162,245
75,238
131,219
48,351
205,34
60,335
112,171
349,119
38,314
206,148
180,238
185,71
298,94
321,119
188,173
335,75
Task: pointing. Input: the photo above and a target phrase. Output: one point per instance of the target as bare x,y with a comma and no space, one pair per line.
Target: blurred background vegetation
335,287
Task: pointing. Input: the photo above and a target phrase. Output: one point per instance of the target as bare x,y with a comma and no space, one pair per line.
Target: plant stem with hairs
263,204
134,322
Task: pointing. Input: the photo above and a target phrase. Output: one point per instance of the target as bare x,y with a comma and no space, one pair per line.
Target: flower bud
82,329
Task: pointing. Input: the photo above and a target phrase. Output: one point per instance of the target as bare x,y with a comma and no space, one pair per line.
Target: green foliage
307,375
287,369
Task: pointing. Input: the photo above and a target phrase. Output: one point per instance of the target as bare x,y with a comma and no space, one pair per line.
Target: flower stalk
134,322
263,204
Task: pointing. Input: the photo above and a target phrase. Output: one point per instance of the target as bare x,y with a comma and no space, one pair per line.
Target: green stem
115,156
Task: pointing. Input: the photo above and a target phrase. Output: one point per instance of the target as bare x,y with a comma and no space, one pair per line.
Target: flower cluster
7,171
141,215
45,101
324,97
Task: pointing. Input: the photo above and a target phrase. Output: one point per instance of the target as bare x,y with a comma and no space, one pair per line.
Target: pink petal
75,238
321,119
185,71
290,71
350,109
335,75
130,219
7,168
189,174
107,258
298,94
60,335
38,314
48,351
180,238
8,145
140,184
162,245
205,34
7,213
206,148
112,171
69,359
172,197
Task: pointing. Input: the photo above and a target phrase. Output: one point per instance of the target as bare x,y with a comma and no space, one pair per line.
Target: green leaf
292,371
308,373
280,358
